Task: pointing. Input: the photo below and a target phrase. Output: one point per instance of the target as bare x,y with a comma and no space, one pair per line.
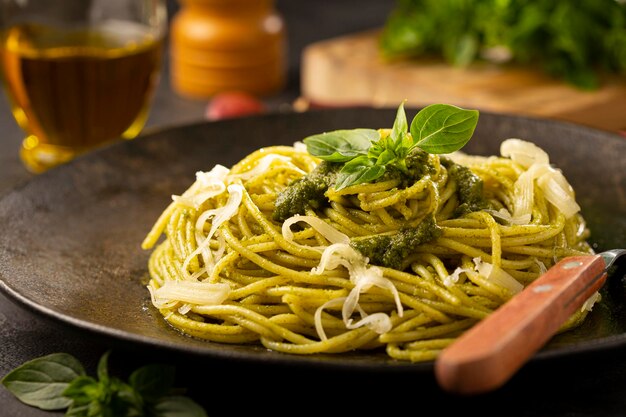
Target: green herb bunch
59,382
366,155
575,41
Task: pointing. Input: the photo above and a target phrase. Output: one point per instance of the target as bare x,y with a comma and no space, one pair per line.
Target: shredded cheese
453,278
559,192
550,181
498,276
198,293
220,216
590,302
330,233
524,153
364,277
300,146
207,185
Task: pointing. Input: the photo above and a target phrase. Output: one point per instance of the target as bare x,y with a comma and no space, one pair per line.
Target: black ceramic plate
70,238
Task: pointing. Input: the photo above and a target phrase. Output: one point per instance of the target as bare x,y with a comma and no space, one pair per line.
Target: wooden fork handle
488,354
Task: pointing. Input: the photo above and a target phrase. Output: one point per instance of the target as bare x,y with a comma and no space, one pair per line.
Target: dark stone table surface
584,386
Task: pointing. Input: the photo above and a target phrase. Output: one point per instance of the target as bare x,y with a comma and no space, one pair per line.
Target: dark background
586,385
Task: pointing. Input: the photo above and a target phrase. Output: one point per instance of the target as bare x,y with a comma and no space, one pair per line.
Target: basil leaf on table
84,410
177,406
58,381
83,390
153,381
103,367
41,382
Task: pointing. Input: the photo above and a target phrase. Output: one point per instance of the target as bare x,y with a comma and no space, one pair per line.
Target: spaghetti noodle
270,252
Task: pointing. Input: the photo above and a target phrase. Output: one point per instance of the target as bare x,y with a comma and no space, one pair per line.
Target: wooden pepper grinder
227,45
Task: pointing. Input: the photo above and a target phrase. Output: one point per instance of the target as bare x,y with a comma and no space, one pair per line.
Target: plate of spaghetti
367,238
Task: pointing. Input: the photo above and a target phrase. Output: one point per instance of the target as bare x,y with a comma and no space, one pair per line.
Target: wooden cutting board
348,71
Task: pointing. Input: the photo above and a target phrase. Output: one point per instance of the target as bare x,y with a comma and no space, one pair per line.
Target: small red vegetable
233,104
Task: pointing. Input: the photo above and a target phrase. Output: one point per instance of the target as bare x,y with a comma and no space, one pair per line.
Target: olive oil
74,90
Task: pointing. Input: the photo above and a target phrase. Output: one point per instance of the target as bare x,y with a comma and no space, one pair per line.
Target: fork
486,356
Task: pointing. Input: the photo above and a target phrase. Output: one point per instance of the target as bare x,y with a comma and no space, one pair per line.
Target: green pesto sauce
469,188
418,164
392,250
307,191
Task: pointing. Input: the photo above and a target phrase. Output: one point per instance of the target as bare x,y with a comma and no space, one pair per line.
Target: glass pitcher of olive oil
79,74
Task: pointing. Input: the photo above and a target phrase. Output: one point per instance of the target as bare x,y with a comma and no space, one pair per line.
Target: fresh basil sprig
59,381
437,129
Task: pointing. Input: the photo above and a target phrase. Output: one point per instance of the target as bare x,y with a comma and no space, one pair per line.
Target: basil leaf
124,400
103,364
40,382
406,144
341,145
443,128
400,126
386,157
83,390
377,149
92,409
153,381
178,406
76,410
358,171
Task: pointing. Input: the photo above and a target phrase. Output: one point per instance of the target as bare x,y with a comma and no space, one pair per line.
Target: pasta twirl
269,252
